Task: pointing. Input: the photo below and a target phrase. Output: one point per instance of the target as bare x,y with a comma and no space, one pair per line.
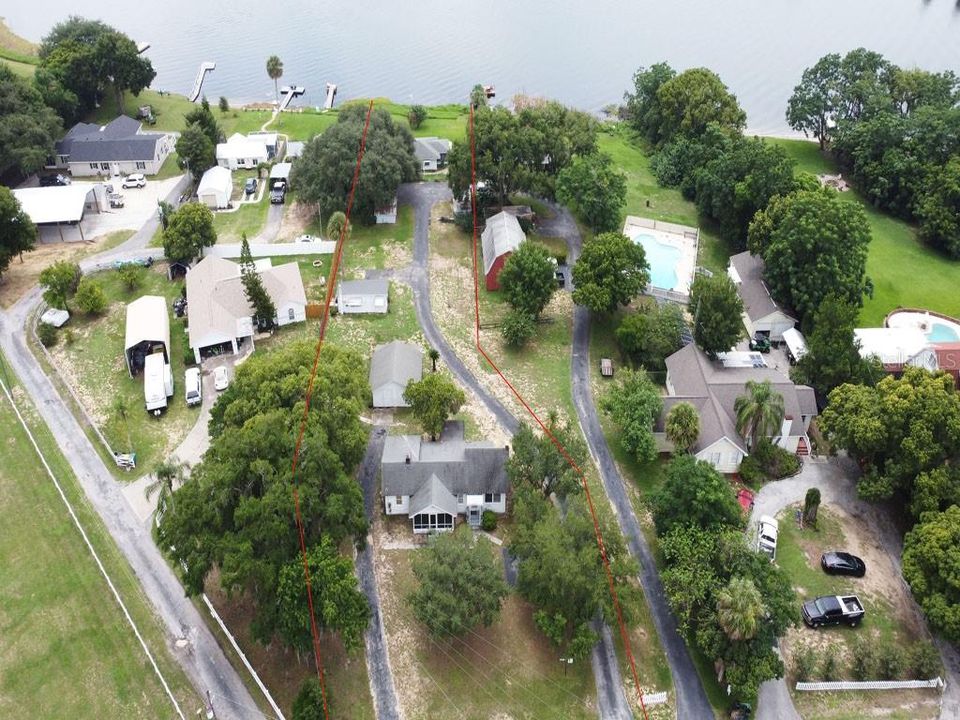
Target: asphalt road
611,701
691,698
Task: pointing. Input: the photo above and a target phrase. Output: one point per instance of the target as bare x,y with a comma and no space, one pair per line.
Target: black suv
250,186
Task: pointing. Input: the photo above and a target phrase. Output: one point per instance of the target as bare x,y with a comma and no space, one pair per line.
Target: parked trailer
157,383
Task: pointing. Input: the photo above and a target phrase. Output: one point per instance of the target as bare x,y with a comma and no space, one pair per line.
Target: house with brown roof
713,386
218,313
761,313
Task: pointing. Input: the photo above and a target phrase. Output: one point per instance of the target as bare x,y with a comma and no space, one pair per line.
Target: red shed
500,238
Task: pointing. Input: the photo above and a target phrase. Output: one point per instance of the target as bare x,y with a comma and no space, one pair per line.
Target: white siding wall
247,163
774,323
723,455
124,168
283,313
468,500
392,507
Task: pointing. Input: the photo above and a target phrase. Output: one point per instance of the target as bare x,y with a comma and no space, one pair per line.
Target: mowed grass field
66,649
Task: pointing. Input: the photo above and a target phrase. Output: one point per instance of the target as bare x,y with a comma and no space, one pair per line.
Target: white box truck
157,383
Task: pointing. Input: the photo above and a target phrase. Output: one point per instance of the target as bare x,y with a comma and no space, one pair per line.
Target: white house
761,313
216,187
356,297
120,147
242,151
393,366
713,386
431,152
218,312
272,140
433,482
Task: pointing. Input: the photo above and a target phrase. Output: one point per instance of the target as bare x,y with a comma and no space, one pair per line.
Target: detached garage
148,331
216,187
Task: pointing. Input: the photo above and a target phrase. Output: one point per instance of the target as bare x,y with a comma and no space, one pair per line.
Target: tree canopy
682,426
29,128
814,244
527,278
717,313
759,411
612,271
931,554
433,400
59,282
537,462
18,234
595,190
324,173
461,584
264,311
188,231
693,492
652,333
643,106
634,403
236,512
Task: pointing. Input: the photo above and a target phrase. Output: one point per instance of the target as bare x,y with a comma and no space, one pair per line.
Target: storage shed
500,238
216,187
148,331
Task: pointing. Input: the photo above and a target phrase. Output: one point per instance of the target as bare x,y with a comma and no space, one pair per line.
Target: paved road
378,663
201,658
691,697
837,482
611,701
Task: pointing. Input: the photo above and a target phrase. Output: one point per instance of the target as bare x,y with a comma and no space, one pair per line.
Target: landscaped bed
892,619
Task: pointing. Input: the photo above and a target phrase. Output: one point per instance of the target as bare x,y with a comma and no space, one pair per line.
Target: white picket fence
657,698
232,250
869,685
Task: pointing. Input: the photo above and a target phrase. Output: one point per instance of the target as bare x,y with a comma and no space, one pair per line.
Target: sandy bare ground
295,221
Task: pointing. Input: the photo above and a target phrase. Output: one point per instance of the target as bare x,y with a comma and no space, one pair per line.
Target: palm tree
275,71
434,355
335,226
682,426
165,476
740,609
759,412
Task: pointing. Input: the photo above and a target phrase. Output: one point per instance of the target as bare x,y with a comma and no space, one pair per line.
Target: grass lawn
905,272
249,218
67,649
94,366
24,70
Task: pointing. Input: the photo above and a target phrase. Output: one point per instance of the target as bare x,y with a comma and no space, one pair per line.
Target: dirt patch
296,218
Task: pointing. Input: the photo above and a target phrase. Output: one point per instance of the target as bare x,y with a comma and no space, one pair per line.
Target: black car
842,563
250,187
53,180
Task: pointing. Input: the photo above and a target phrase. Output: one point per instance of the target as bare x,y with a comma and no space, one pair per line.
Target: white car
767,528
307,238
220,378
137,180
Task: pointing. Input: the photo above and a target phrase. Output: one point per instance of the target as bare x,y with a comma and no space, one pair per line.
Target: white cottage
761,313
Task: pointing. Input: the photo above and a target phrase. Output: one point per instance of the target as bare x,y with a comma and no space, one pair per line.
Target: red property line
306,410
563,451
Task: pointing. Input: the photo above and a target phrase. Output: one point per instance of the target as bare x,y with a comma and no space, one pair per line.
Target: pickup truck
833,610
278,192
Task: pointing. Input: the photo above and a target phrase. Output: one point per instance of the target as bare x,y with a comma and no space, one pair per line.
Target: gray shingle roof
396,362
713,390
463,467
118,140
433,493
756,298
502,235
364,287
430,148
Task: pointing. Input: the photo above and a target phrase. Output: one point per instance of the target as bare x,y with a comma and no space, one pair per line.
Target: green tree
651,334
166,476
324,173
694,493
264,311
202,117
759,412
931,552
461,584
90,297
811,505
811,108
643,105
612,271
29,128
18,234
433,400
682,426
938,209
595,190
814,244
59,282
224,105
335,227
195,151
309,703
717,313
740,608
416,116
832,356
339,603
527,278
189,230
517,328
236,513
538,462
634,403
694,99
275,72
131,276
434,355
478,96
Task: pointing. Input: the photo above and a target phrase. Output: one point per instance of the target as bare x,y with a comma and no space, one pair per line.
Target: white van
767,536
193,386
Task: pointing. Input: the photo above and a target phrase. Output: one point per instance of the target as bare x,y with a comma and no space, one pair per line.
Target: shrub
768,462
517,328
90,297
224,105
464,220
804,662
924,660
828,667
416,116
131,276
864,660
488,521
891,662
47,334
69,336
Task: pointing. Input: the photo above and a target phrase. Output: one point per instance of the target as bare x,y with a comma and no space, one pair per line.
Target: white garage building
216,187
147,332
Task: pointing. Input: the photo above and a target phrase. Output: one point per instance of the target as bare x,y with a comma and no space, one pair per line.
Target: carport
54,207
148,330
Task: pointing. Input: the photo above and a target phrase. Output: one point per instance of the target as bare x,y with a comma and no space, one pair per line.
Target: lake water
583,53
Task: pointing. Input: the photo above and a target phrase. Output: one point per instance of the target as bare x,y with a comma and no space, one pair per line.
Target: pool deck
925,320
683,237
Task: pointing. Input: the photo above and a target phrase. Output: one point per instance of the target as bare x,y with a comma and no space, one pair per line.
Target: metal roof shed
148,327
796,344
57,205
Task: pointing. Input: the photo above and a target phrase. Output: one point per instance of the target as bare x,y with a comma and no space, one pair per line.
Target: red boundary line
306,410
563,451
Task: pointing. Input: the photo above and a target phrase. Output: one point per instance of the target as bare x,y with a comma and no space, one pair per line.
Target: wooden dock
289,92
201,74
331,94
